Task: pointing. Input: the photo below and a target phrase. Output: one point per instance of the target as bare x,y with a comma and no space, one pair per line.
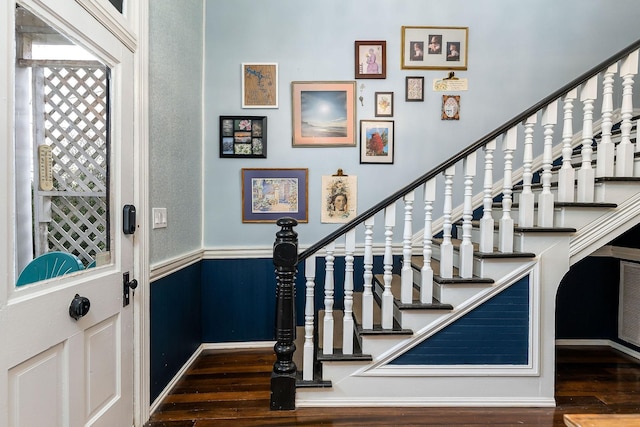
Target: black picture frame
243,137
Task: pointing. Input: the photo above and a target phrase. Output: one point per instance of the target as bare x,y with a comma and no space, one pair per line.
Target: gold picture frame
434,48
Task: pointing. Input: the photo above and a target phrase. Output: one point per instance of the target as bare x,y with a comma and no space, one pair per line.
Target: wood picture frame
377,141
243,137
259,85
371,59
270,194
414,89
339,198
384,104
434,48
323,114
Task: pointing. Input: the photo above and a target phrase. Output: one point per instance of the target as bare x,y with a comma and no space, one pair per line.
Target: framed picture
339,198
243,136
324,114
384,104
259,85
371,60
450,107
414,88
270,194
376,141
434,48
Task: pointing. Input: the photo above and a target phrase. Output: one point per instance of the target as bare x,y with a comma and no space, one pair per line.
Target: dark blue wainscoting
176,331
238,300
495,333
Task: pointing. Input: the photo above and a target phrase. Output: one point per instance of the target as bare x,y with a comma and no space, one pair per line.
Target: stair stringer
378,385
601,231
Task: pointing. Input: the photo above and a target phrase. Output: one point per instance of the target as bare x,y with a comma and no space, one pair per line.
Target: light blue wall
519,52
175,142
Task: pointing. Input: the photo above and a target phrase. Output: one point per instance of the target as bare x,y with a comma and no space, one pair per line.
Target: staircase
462,312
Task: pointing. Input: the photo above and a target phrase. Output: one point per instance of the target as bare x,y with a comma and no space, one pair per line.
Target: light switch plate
159,217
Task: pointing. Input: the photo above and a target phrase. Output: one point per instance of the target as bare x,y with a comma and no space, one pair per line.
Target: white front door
56,370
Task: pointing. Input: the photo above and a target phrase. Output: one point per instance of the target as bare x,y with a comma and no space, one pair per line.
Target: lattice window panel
629,310
75,126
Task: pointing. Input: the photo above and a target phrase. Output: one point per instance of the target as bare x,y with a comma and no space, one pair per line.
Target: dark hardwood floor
231,388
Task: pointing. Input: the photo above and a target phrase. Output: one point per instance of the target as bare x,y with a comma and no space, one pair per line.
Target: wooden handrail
469,150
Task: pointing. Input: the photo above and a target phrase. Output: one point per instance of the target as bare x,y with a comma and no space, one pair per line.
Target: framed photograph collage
323,114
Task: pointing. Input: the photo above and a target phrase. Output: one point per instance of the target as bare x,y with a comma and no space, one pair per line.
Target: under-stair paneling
495,333
176,324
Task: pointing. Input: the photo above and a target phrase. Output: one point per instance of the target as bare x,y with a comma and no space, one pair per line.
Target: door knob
79,307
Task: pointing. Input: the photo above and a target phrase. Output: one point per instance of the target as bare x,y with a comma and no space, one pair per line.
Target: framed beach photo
376,141
384,104
434,48
371,60
259,85
339,198
243,136
270,194
324,114
414,88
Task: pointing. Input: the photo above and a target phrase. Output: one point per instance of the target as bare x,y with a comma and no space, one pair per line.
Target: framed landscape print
376,141
434,48
323,114
259,85
371,60
270,194
243,136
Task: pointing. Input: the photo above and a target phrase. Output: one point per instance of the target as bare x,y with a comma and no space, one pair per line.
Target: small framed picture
376,141
371,60
243,136
270,194
450,107
434,48
259,85
414,89
384,104
339,198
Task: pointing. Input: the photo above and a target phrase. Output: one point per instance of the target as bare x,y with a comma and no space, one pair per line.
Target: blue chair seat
49,265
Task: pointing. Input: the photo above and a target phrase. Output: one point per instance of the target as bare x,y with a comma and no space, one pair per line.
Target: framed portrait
434,48
339,198
414,88
376,141
243,136
371,60
259,85
270,194
384,104
324,114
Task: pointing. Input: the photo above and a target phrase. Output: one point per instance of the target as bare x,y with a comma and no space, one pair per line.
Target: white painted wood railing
453,183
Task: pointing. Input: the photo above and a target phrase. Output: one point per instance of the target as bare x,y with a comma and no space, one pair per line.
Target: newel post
285,259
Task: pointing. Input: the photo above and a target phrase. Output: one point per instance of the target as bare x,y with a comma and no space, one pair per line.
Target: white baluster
604,155
586,174
567,175
327,331
309,313
387,295
625,150
367,294
446,248
347,320
505,234
466,246
406,292
546,199
426,273
487,222
526,200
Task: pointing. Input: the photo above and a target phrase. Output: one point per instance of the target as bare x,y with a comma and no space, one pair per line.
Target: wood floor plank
232,387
